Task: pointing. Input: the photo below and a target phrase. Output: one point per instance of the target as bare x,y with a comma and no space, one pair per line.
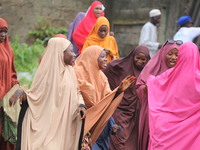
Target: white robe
187,34
148,37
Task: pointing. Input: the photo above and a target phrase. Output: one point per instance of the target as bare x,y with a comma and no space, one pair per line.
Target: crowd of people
85,97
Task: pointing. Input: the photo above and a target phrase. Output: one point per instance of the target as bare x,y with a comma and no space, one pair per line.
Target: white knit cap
154,12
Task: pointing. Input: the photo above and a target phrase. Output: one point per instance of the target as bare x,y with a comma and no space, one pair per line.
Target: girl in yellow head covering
99,35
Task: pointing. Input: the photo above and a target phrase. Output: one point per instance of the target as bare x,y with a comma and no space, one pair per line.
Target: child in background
103,142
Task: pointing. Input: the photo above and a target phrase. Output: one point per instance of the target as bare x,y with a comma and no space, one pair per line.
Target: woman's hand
82,112
115,128
126,83
114,58
19,94
112,33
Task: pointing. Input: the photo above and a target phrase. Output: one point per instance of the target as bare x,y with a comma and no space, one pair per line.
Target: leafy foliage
44,31
27,58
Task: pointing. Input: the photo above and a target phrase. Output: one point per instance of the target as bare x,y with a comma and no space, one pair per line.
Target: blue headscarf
183,20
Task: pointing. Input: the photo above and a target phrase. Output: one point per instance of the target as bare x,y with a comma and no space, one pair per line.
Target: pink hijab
85,26
174,103
155,66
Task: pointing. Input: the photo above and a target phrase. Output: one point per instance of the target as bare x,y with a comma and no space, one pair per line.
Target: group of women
155,101
92,28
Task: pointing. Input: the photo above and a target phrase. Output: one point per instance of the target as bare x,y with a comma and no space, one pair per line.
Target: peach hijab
108,42
96,92
88,72
51,121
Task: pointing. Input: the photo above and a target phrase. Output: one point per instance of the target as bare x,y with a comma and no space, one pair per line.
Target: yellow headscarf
108,42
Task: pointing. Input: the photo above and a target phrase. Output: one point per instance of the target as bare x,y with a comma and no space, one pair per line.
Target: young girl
83,29
100,36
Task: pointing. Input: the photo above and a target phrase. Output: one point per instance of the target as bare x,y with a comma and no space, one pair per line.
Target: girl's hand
19,94
82,112
126,83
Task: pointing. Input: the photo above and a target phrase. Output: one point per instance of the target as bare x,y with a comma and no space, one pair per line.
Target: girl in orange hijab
99,35
8,79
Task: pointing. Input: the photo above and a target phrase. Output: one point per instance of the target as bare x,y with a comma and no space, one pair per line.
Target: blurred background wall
126,16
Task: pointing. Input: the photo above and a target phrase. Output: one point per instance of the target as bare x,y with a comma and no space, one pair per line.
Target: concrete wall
21,15
126,16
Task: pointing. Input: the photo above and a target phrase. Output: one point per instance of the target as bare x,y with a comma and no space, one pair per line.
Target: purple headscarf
72,27
127,113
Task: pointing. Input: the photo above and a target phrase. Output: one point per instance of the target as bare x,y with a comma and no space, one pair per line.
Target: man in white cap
148,35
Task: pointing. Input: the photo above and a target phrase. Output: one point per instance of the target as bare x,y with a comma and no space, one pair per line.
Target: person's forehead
103,27
157,17
3,29
98,6
190,21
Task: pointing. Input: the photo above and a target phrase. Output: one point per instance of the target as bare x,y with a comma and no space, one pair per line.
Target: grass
27,58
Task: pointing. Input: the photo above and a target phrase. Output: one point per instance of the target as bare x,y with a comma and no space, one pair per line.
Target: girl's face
3,34
102,60
69,56
98,10
140,60
171,58
103,31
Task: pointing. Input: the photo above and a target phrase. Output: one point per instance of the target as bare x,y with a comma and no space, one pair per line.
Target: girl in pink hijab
83,29
174,104
156,65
